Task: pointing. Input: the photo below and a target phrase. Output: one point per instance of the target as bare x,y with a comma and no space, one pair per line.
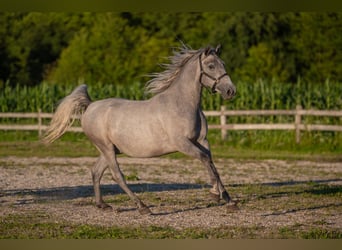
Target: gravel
175,190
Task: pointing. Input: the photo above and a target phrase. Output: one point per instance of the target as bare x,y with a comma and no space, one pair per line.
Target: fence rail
298,113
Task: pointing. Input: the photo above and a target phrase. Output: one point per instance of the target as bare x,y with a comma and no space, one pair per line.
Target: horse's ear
207,50
218,49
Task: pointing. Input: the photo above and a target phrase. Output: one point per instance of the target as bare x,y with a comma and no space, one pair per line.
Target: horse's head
213,74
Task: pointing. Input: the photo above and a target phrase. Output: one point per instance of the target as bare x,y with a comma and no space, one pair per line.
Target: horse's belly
142,147
142,141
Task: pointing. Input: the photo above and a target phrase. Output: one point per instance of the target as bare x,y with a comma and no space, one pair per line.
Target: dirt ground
175,190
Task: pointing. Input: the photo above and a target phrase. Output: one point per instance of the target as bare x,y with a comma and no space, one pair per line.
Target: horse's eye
211,66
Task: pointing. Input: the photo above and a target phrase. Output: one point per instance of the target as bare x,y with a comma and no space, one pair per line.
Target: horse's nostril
231,92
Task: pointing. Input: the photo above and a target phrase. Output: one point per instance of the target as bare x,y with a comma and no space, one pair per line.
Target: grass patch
83,148
313,233
57,149
239,144
27,227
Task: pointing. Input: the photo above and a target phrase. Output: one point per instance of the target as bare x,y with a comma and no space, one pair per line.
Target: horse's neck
186,89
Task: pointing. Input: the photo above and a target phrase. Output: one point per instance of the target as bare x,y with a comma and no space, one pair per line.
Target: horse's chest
191,126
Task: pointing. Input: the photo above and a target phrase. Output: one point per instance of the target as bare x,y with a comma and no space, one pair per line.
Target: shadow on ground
68,193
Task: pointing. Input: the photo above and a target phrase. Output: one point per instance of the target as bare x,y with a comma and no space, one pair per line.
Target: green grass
18,227
239,145
83,148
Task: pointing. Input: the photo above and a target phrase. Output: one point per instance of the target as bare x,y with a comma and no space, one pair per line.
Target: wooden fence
298,126
298,113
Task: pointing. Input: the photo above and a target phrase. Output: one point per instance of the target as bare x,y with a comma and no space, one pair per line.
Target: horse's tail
70,107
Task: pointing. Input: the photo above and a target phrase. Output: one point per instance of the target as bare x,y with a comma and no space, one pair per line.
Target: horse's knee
96,177
98,169
205,158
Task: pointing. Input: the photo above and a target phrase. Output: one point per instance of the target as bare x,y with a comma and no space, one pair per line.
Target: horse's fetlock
214,190
144,210
206,159
104,206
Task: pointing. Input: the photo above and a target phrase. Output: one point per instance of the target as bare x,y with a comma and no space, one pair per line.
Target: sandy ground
175,190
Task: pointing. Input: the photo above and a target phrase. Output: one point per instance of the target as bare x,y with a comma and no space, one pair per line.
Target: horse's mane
162,80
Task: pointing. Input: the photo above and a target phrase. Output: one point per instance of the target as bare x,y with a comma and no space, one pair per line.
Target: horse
171,120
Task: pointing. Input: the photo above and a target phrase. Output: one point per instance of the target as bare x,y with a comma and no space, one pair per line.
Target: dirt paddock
271,193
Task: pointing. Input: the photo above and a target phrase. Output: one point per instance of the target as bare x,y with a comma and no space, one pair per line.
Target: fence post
223,123
39,122
298,121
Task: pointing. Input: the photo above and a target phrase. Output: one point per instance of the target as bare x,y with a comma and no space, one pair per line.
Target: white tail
74,104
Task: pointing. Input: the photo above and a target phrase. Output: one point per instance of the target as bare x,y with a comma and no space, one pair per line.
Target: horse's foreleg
218,190
201,151
97,173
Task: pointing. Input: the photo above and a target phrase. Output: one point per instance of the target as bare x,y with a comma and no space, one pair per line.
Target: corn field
257,95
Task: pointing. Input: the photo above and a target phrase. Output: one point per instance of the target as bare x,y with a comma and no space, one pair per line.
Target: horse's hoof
226,197
104,207
144,210
232,207
215,197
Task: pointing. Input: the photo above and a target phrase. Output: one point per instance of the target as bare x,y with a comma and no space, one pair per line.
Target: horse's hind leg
97,173
110,155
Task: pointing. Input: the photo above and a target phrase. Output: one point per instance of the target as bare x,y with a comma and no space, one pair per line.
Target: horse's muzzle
228,92
231,92
226,88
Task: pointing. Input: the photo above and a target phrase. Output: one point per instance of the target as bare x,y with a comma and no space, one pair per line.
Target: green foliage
120,48
262,63
317,43
111,52
33,42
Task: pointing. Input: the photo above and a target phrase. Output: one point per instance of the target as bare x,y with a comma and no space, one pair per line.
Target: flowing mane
162,80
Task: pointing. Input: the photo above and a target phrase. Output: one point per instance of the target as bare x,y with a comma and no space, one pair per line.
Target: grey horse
170,121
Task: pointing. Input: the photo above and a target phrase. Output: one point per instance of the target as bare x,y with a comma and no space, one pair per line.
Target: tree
34,41
122,47
262,64
317,41
111,52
